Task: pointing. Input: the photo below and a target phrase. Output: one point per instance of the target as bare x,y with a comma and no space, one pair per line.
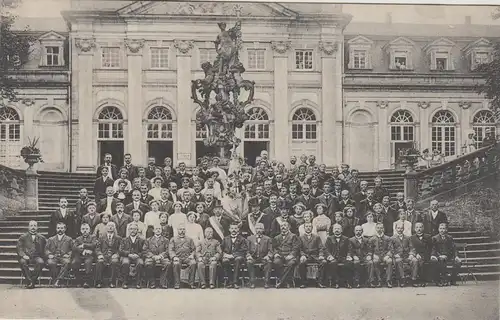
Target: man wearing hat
91,218
234,250
256,216
156,254
208,252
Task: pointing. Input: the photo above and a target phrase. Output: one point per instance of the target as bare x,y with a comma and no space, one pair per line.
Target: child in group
166,230
100,229
349,222
136,217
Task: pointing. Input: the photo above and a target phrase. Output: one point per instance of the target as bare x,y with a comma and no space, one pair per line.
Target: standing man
108,204
208,252
81,206
444,252
112,172
58,251
137,204
359,251
131,252
65,215
121,220
108,254
131,169
31,250
91,218
382,256
260,250
435,217
182,251
337,247
101,183
401,250
420,254
156,254
311,251
234,249
286,246
83,251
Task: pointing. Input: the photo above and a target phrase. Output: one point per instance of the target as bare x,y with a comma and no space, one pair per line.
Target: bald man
31,250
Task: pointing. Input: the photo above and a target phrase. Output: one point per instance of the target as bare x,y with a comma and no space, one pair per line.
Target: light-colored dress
369,229
195,232
177,219
322,226
152,218
155,193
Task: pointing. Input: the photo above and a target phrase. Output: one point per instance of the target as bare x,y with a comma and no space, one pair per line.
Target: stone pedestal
31,189
411,185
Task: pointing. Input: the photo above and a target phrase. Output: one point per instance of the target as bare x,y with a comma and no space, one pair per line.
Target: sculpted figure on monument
227,45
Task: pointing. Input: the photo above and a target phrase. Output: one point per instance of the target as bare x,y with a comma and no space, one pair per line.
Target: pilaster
383,137
465,124
425,141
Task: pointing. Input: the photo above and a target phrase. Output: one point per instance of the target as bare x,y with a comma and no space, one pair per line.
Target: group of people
299,220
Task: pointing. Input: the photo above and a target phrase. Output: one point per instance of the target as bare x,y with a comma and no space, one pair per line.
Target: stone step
480,253
464,233
8,223
26,218
475,239
24,228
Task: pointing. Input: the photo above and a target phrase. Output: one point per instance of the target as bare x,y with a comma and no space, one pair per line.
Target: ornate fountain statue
223,94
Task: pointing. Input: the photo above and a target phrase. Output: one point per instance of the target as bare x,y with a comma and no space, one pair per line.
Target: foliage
491,87
14,52
31,149
9,206
478,210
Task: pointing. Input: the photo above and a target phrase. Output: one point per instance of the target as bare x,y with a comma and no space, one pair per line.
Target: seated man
420,253
401,251
234,249
208,252
260,250
108,254
131,252
91,217
337,247
359,252
156,253
311,251
286,246
58,251
31,250
83,251
444,252
382,255
181,250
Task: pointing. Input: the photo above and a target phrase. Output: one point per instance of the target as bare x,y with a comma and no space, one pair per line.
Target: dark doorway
202,150
398,146
115,148
160,150
252,150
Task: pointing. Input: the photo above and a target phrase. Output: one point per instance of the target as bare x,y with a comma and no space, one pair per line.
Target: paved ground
471,302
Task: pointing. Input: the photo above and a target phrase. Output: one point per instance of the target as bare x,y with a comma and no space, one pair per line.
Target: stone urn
31,160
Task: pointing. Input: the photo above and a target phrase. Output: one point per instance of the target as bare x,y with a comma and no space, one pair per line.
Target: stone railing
455,177
12,189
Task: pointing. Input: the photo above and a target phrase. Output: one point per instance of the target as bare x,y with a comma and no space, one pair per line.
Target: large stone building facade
118,80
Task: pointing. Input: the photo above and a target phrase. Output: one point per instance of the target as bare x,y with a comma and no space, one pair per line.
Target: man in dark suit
182,250
273,210
435,217
444,252
83,251
234,250
112,170
101,183
379,192
259,198
329,201
131,169
108,204
108,254
255,216
420,254
81,206
316,188
345,201
131,249
137,204
389,216
311,251
181,173
208,252
367,204
156,254
91,218
220,223
146,198
307,200
65,215
286,247
260,250
359,252
31,250
413,215
58,251
150,169
121,220
278,221
337,247
382,256
165,205
279,183
361,194
401,251
400,202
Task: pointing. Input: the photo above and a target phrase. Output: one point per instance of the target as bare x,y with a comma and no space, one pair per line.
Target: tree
14,51
491,86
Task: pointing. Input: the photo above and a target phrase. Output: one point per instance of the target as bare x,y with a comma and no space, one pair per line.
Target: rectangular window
110,57
304,60
256,59
297,131
52,57
359,59
396,133
481,57
400,62
160,131
441,64
207,55
159,58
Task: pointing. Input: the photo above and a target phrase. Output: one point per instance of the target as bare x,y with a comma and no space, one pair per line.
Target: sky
444,14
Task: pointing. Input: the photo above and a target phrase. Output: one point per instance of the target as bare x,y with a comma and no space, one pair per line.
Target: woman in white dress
152,218
194,230
369,226
321,223
177,218
123,177
308,217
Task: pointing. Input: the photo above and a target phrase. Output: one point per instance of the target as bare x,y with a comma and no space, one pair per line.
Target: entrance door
252,150
160,150
115,148
398,146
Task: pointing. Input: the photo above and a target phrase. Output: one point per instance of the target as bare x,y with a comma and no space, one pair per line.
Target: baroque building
115,77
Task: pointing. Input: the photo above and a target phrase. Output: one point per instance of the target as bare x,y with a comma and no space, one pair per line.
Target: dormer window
400,54
441,56
360,53
478,52
52,45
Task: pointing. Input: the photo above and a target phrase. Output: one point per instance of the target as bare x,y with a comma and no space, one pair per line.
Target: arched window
160,124
110,124
10,137
257,126
402,126
304,125
443,133
482,121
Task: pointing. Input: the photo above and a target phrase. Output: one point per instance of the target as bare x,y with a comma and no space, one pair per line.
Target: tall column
425,141
83,101
135,139
184,102
383,138
281,107
465,125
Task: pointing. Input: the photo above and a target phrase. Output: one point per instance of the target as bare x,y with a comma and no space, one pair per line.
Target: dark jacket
401,247
89,243
128,247
238,249
100,186
286,245
423,246
382,246
444,246
33,249
121,223
359,249
58,248
431,225
114,171
93,222
69,220
311,248
156,246
105,248
336,249
260,250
